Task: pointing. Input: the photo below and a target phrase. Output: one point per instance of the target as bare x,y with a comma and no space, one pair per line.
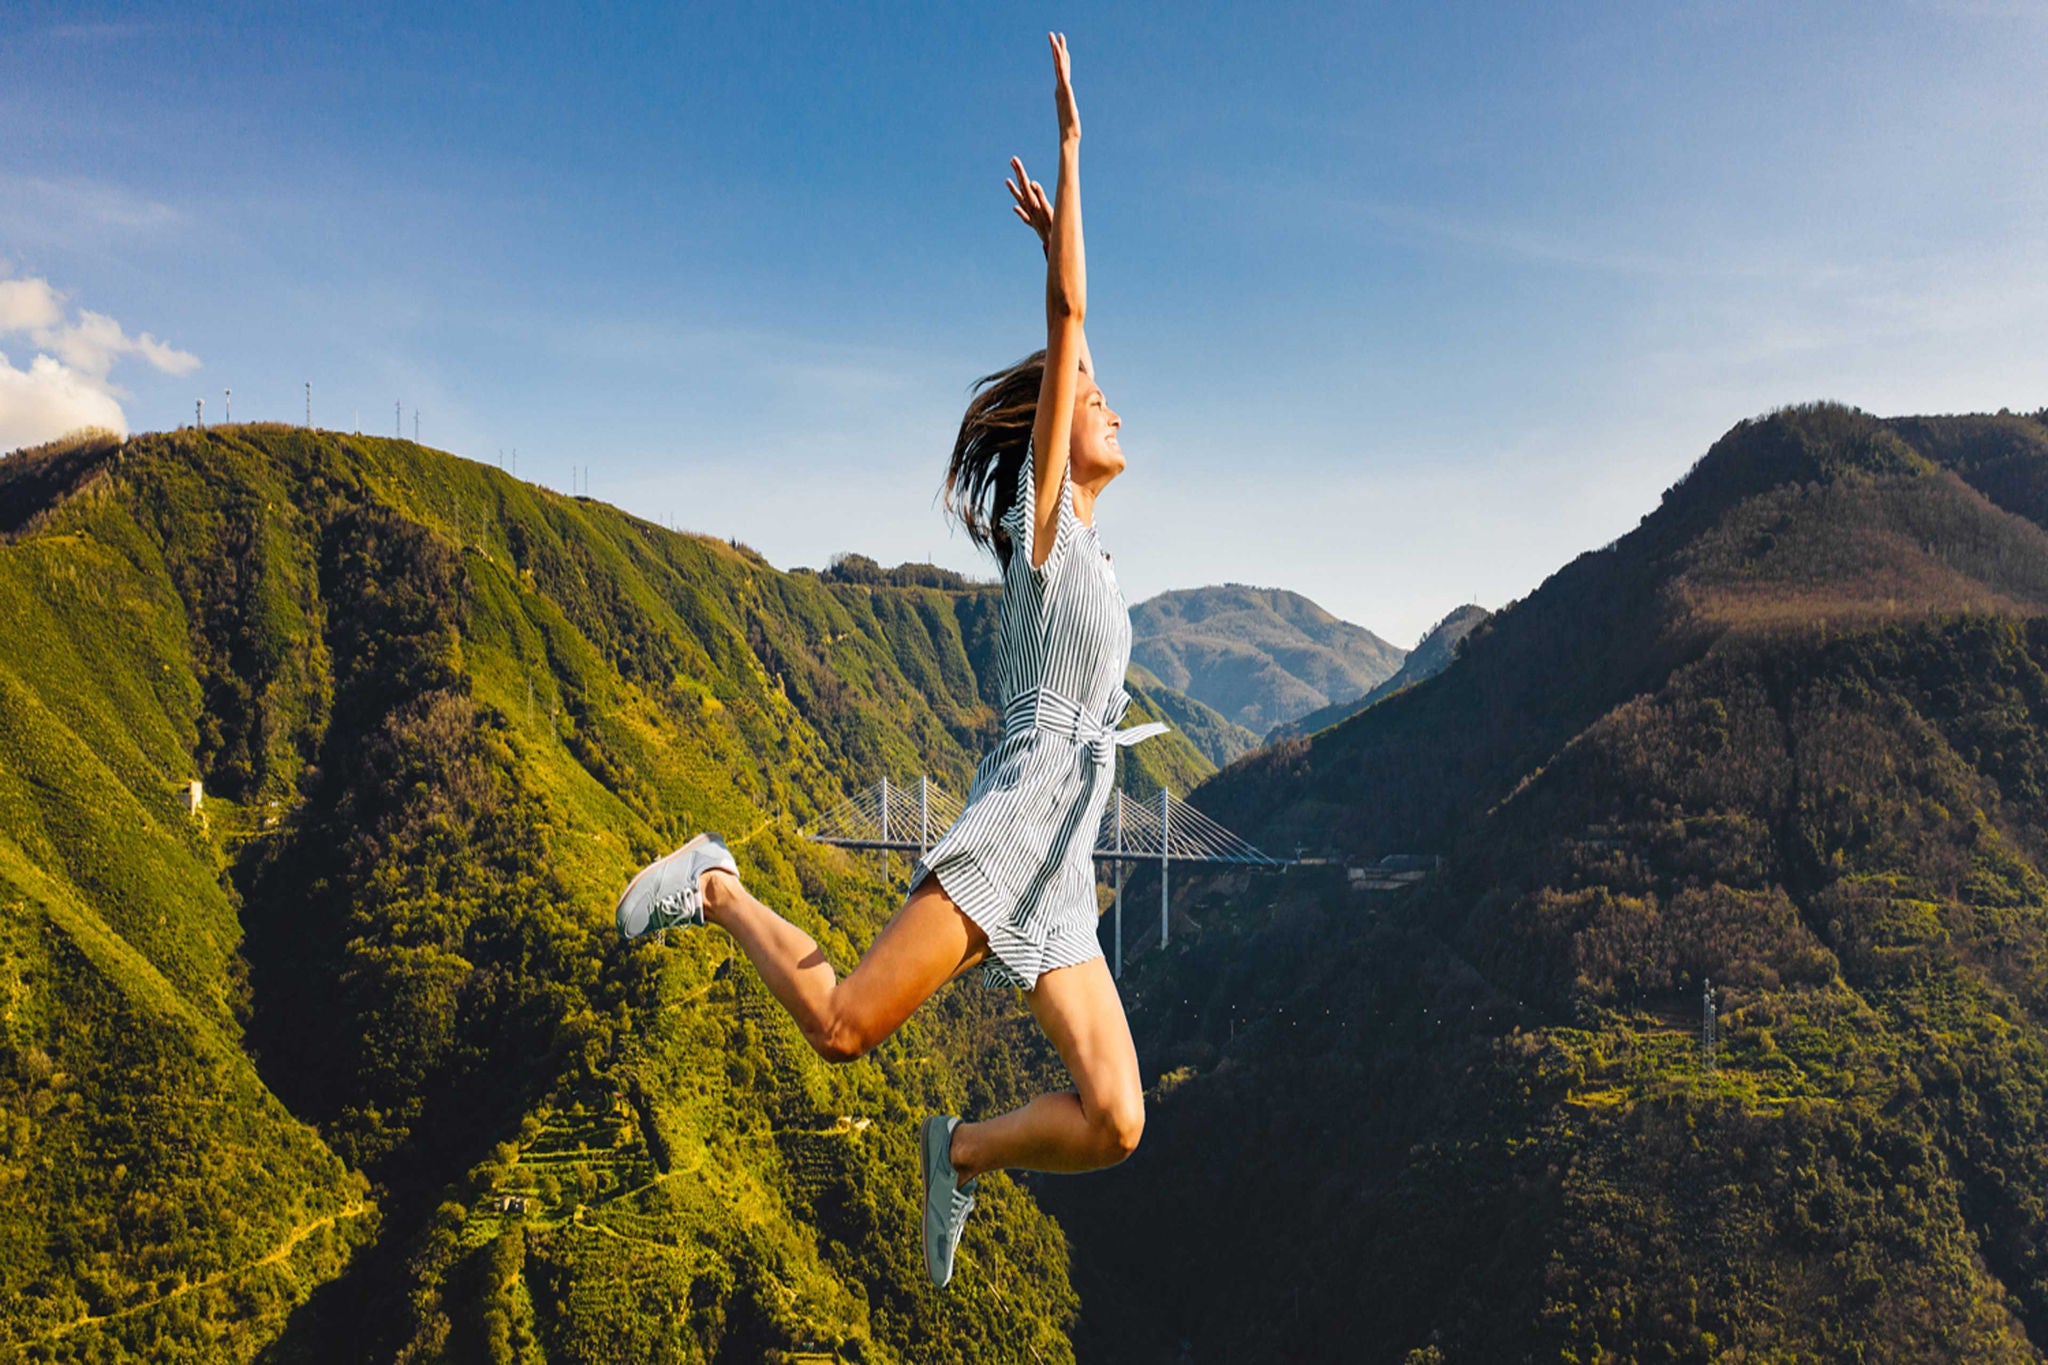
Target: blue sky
1402,306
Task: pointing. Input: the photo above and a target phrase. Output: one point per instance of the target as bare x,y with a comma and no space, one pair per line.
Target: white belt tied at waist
1043,709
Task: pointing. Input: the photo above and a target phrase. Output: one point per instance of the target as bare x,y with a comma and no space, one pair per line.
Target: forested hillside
1218,740
349,1065
1786,737
1431,656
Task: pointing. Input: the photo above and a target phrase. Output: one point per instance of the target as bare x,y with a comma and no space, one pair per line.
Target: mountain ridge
1431,656
440,716
1784,737
1661,599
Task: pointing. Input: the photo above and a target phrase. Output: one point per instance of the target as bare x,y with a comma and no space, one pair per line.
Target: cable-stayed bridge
896,817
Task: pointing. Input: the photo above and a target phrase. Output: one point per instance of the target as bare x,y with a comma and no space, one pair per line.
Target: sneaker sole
924,1153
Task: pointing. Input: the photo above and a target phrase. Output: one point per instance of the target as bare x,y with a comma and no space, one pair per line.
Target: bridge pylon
895,817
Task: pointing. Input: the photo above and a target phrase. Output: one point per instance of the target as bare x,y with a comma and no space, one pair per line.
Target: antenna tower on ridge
1709,1025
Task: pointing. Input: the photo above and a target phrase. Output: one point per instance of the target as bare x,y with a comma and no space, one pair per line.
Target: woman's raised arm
1066,306
1034,206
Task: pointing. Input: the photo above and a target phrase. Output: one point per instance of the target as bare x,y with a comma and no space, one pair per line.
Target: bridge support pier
1183,834
1118,969
1165,846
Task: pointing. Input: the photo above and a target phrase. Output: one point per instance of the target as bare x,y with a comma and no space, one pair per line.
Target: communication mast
1709,1026
309,402
199,414
227,405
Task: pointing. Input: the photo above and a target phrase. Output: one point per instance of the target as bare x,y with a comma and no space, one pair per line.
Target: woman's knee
1120,1123
840,1038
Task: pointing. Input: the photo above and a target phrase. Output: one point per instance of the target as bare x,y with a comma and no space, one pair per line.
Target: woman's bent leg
923,946
1096,1124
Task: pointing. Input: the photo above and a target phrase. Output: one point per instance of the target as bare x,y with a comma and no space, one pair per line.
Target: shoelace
683,898
956,1223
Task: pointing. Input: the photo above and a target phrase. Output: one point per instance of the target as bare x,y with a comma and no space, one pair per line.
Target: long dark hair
987,469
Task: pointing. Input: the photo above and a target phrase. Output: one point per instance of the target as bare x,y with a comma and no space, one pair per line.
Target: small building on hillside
1393,872
194,796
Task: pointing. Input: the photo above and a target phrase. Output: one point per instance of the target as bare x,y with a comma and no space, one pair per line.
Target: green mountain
1218,740
1786,738
349,1064
1259,656
1431,656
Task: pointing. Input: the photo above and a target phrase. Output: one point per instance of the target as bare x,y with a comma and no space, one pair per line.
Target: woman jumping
1011,886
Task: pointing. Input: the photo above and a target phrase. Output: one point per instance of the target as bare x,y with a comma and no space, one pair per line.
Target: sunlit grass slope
441,716
151,1188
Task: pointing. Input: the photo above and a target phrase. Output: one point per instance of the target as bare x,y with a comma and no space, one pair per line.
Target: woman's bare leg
1096,1125
923,946
926,944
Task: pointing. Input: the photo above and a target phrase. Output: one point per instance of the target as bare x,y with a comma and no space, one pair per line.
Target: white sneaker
946,1202
667,892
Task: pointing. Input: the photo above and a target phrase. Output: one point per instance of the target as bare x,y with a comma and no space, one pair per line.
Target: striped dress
1019,860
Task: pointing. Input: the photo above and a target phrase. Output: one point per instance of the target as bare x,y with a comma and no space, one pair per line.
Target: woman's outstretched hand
1063,90
1032,205
1035,208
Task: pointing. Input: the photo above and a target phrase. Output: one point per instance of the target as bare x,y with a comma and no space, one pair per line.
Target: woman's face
1096,456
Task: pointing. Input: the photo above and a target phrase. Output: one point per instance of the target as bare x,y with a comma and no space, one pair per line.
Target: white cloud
46,400
95,341
67,383
29,305
73,212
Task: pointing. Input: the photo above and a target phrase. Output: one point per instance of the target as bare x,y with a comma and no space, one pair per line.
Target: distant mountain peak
1809,518
1259,656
